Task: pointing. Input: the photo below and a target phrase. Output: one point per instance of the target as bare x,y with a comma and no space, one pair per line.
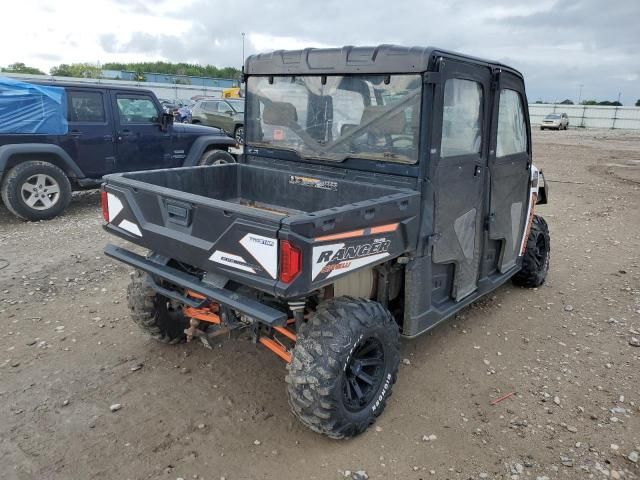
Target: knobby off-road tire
535,262
343,337
36,190
153,313
216,157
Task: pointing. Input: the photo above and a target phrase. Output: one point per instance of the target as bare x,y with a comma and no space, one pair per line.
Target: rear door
90,141
460,171
141,144
509,165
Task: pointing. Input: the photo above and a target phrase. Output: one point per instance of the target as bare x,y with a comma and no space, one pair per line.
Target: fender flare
65,161
203,143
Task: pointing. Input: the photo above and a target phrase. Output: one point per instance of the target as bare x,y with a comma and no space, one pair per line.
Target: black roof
349,59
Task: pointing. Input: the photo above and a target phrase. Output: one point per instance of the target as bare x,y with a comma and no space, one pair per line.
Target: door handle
75,133
477,171
125,133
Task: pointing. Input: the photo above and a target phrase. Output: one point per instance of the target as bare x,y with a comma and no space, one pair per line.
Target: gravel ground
68,354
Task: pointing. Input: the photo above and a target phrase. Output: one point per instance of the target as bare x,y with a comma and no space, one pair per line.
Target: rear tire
346,340
153,312
36,190
216,157
535,262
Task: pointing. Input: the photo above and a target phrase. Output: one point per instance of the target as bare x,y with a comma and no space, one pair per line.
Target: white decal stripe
130,227
329,251
114,205
264,250
533,194
230,260
357,263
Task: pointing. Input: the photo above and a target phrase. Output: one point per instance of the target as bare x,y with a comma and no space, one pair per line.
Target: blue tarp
30,108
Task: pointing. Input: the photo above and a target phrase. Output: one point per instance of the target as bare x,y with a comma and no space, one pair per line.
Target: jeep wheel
36,190
344,365
535,263
153,312
216,157
239,135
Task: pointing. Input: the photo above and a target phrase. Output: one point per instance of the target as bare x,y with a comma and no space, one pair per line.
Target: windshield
337,117
238,105
553,116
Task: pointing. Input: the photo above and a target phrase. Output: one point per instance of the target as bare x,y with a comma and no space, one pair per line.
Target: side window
462,118
212,107
224,107
136,109
512,132
85,107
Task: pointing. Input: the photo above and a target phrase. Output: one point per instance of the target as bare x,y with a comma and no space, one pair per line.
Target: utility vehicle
380,191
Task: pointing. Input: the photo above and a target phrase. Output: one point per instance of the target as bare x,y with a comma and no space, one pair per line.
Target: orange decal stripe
385,228
391,227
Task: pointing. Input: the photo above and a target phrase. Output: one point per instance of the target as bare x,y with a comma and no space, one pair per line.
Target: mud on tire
345,336
535,262
153,313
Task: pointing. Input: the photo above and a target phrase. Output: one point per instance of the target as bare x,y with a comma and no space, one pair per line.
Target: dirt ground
69,351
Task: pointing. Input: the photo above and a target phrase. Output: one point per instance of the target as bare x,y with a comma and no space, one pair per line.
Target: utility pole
580,93
242,33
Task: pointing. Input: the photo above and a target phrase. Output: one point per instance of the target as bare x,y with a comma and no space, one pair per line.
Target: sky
565,48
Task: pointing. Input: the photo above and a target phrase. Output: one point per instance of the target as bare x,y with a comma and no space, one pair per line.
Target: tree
638,103
589,102
168,68
78,70
566,102
20,67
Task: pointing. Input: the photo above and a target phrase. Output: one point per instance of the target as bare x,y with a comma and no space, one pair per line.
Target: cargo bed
229,219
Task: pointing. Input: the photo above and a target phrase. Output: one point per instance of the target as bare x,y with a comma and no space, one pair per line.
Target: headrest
392,125
279,113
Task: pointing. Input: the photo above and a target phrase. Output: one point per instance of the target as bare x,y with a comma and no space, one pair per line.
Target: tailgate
218,236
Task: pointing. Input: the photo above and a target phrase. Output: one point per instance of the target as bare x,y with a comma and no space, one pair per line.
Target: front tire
36,190
535,262
153,312
238,134
216,157
344,366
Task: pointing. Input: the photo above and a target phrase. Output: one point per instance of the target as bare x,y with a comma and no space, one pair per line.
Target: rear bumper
242,304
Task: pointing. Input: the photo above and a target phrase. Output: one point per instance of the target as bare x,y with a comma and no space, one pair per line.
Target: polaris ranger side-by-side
381,190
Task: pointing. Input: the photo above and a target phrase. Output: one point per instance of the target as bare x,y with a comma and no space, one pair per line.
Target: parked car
227,114
372,208
555,121
107,129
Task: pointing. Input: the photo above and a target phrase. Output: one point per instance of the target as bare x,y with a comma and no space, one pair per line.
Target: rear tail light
290,261
105,205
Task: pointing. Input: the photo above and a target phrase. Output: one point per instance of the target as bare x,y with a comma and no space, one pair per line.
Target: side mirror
166,120
229,112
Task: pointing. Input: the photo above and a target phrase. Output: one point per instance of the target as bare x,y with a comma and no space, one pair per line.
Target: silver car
555,121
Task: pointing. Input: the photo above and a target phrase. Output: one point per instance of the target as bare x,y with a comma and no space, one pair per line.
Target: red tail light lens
105,205
290,261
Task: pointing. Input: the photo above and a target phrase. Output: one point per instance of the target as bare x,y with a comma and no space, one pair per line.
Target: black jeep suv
107,130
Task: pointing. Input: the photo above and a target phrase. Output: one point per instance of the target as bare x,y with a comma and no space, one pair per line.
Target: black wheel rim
364,374
540,253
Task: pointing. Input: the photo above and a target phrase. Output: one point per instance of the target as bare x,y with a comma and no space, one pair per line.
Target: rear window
85,107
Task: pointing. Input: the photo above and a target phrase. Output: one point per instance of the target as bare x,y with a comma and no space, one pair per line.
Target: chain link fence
589,116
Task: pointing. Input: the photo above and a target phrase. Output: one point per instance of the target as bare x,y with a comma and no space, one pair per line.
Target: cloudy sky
558,44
